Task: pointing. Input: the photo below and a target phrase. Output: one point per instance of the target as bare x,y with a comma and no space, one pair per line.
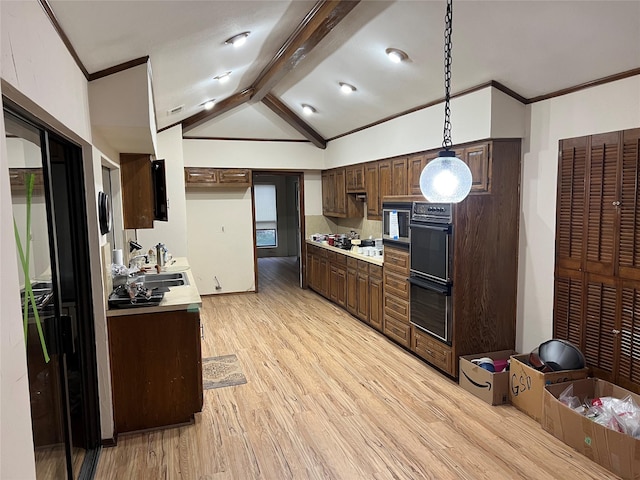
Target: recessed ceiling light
223,77
396,55
347,88
208,105
308,109
237,40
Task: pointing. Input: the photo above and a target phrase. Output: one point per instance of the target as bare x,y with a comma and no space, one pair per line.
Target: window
266,216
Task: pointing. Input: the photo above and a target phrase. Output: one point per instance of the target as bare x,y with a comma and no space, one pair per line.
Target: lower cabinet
156,369
375,297
396,315
433,351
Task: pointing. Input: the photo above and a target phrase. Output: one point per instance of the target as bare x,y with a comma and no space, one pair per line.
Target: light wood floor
329,398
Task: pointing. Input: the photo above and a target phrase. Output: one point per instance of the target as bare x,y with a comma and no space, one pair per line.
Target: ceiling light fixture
396,55
347,88
446,179
223,77
308,109
208,105
237,40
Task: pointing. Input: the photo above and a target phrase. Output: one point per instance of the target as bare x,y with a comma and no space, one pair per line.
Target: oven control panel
431,212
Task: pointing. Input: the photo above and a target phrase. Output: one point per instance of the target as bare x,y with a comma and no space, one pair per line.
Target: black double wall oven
431,259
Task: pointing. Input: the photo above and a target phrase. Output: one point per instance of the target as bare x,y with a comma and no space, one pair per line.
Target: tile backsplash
321,224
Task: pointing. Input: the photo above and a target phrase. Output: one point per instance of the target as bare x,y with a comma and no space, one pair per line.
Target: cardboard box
615,451
493,388
526,385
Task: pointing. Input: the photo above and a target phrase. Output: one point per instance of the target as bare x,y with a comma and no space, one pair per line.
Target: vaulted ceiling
299,51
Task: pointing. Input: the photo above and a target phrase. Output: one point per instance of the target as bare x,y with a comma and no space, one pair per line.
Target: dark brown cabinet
478,158
596,289
374,200
217,177
338,279
156,369
376,298
396,296
355,178
335,200
137,190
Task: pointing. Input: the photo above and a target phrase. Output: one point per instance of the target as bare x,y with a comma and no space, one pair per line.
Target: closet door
600,325
602,203
570,214
629,243
567,308
629,335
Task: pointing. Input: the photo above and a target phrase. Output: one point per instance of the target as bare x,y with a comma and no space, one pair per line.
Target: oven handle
439,228
443,289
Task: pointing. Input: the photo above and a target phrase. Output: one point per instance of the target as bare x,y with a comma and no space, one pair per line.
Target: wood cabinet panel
396,285
436,353
237,177
397,330
399,177
356,179
207,177
338,284
362,289
628,367
478,159
335,200
385,185
156,369
396,307
352,291
18,178
374,200
568,306
375,301
397,261
137,190
600,322
200,176
629,236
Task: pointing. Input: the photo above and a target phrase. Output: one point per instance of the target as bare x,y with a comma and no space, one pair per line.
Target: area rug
222,371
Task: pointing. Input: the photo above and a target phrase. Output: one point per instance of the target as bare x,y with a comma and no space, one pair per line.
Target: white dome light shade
445,179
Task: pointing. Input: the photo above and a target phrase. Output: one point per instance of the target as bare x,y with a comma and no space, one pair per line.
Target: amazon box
526,385
493,388
615,451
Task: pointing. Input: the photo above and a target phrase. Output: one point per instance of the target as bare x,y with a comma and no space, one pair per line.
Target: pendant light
446,179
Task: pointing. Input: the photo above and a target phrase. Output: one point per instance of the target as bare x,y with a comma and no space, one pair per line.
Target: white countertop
377,260
183,297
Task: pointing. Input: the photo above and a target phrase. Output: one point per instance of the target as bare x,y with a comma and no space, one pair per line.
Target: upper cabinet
143,190
217,177
356,179
478,158
374,207
335,200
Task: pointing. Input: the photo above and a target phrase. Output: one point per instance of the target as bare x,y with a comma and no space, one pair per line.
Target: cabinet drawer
352,262
396,330
397,261
396,285
341,259
363,267
235,176
375,271
331,256
196,176
396,307
434,352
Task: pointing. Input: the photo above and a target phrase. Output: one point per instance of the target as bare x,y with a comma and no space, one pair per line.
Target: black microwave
396,217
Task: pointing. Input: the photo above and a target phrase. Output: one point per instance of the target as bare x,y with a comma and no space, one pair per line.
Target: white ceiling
532,47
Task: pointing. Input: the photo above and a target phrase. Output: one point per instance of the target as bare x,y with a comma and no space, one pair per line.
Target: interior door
49,212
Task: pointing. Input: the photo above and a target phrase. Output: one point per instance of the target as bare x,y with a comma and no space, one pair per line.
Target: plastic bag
569,399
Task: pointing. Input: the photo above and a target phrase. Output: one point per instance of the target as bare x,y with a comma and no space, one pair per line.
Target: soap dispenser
160,250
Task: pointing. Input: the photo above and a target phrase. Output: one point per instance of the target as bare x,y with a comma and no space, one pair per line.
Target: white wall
611,107
172,233
220,226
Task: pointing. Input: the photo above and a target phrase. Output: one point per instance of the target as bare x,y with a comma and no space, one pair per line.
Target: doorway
50,223
278,199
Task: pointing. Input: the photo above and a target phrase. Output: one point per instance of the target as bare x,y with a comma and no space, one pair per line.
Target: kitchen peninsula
155,357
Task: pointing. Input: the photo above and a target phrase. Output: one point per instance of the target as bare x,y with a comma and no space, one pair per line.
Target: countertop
377,260
183,297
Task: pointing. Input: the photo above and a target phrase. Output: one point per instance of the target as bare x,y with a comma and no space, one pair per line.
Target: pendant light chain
446,139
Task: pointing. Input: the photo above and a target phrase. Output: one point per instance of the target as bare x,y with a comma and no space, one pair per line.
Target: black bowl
561,355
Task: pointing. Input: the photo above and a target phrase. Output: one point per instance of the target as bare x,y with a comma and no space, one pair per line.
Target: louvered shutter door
629,363
629,246
567,311
601,212
600,322
570,204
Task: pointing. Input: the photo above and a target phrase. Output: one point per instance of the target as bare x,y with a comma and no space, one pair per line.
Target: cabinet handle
202,331
235,174
615,332
616,204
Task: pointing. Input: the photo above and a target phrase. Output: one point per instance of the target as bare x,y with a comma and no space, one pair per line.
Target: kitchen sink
153,283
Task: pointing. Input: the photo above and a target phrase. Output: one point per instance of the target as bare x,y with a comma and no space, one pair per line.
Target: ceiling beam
292,119
218,109
322,18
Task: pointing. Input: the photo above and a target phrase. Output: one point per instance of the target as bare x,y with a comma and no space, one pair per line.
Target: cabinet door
384,179
478,159
325,271
333,284
363,296
602,195
629,359
600,323
629,244
234,177
355,178
374,203
375,303
137,190
341,279
352,291
340,189
399,177
567,308
327,194
415,165
570,210
200,177
316,274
